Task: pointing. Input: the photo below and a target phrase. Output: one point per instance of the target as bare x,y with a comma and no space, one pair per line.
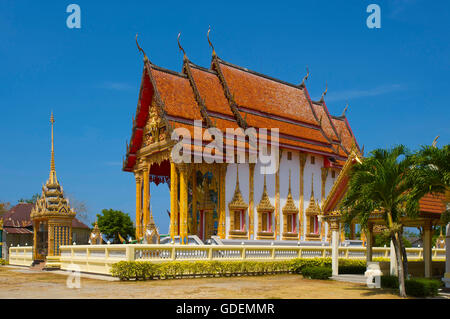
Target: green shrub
416,287
142,270
3,262
316,272
390,282
422,287
358,270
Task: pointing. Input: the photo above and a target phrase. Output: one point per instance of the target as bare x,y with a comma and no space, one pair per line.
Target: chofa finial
324,92
181,48
209,41
305,78
345,110
141,50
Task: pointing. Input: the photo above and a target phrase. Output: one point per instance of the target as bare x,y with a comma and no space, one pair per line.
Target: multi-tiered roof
52,202
229,96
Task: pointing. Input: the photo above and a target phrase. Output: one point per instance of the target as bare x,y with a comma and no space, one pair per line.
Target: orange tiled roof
432,203
260,93
253,99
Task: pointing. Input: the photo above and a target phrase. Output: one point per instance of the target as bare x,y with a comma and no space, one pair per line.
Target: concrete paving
356,279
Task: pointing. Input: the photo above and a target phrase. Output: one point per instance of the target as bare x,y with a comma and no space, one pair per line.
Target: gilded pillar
193,225
51,239
222,208
183,169
302,162
146,208
173,200
138,204
277,199
324,171
35,230
251,187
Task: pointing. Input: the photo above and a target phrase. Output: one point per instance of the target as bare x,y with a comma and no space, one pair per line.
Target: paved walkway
356,279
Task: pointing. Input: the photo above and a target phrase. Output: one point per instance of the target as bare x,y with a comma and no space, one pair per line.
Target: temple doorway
42,241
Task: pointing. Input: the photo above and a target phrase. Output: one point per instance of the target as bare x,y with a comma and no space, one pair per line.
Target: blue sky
395,79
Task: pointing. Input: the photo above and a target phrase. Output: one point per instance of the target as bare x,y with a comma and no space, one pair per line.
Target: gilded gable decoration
313,207
238,202
290,207
264,204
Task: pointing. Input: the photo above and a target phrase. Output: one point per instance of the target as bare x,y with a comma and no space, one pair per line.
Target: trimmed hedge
143,270
422,287
346,266
317,272
416,287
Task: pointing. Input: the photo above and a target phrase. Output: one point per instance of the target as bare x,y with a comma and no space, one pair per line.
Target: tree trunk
405,257
401,273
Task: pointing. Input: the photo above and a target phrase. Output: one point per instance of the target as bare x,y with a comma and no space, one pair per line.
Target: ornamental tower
52,216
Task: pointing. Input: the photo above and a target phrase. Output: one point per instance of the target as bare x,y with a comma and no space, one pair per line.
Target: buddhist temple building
237,199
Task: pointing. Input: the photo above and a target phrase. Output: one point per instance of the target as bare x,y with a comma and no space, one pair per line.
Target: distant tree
31,200
4,207
113,222
80,208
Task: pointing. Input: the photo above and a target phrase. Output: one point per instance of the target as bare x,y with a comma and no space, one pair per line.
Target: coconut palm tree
379,183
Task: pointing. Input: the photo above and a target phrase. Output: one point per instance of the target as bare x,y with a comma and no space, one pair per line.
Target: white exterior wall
285,165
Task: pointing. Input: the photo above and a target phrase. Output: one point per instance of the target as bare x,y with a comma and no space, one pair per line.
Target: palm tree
379,183
431,173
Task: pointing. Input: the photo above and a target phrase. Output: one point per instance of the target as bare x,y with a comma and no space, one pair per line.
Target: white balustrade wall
99,258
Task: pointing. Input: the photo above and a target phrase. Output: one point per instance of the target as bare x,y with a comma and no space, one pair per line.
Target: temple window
291,223
239,220
265,211
290,216
333,174
266,222
238,209
289,156
313,160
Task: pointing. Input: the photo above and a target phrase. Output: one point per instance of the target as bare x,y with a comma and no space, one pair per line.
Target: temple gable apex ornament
313,207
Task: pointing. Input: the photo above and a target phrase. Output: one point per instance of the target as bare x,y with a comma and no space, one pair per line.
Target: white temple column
446,278
427,242
335,247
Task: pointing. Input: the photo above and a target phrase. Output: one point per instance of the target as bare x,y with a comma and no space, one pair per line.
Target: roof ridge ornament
181,48
141,50
435,141
305,77
345,110
324,93
210,44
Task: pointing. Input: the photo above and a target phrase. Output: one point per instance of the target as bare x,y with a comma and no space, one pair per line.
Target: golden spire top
312,186
52,179
237,175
